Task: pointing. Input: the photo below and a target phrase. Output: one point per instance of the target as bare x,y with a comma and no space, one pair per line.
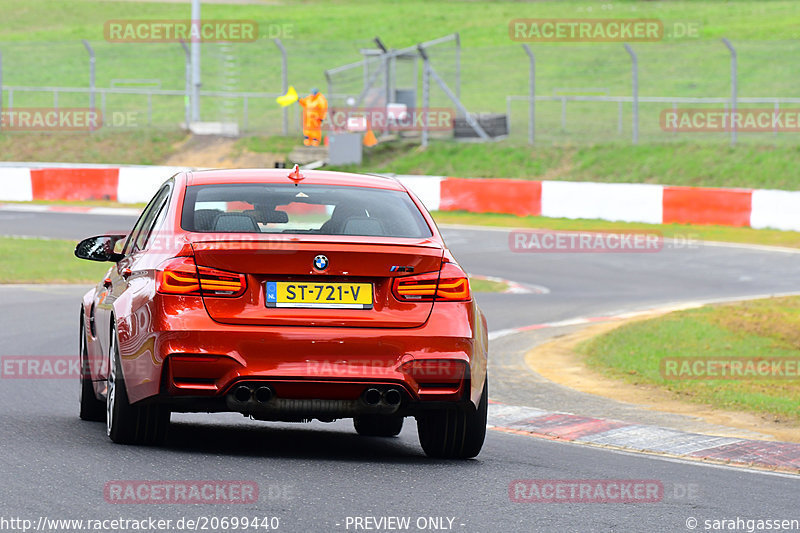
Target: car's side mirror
99,248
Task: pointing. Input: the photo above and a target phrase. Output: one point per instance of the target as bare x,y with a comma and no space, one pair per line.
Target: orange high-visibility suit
315,109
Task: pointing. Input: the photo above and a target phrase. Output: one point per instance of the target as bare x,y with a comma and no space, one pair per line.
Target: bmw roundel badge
320,262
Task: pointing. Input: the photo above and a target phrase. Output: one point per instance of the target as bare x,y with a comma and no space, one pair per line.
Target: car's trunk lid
285,287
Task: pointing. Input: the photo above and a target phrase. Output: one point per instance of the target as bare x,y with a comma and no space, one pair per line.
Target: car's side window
144,219
159,213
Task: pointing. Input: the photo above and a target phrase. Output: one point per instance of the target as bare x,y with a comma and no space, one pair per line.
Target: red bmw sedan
284,296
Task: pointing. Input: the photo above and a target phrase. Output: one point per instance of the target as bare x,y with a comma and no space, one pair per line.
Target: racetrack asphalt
314,476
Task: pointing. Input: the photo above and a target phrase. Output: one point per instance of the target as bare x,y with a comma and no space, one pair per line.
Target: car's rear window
316,209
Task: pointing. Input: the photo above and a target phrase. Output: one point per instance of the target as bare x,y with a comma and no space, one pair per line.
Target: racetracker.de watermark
551,241
39,366
586,491
691,368
172,242
175,31
711,120
439,370
389,118
51,119
65,366
181,492
602,30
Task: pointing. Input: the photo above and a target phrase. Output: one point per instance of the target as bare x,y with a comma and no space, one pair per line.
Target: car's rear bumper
195,364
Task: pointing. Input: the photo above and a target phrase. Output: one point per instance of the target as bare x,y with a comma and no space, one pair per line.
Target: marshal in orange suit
315,108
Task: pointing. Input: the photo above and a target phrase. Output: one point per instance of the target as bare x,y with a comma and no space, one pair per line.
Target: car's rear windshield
315,209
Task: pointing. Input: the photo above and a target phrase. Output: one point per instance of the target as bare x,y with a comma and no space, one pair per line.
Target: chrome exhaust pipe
242,393
263,394
392,397
372,396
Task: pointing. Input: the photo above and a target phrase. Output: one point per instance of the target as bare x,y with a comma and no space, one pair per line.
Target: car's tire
91,408
456,433
126,423
378,425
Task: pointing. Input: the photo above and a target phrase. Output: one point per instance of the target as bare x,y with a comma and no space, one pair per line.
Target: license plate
311,294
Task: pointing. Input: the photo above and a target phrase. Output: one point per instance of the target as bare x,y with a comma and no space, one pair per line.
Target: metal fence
583,93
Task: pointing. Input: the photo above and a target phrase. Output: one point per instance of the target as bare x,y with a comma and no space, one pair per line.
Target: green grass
486,285
272,145
766,167
758,329
45,261
684,232
41,46
688,234
135,147
770,167
53,261
484,22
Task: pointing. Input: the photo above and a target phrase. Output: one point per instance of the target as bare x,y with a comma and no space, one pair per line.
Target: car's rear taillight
450,284
182,276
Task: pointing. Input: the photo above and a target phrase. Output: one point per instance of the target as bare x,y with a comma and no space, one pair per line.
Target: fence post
458,66
245,125
91,72
195,61
329,83
734,87
285,82
508,113
387,61
635,88
776,111
1,90
531,96
675,110
187,85
426,92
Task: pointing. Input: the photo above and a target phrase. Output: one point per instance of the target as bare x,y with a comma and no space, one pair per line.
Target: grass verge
45,261
763,166
25,260
683,232
486,285
758,329
134,147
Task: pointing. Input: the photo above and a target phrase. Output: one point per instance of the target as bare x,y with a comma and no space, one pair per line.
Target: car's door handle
107,283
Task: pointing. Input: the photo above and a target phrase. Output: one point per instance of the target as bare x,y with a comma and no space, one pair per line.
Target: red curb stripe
763,453
570,427
516,197
698,205
69,209
75,183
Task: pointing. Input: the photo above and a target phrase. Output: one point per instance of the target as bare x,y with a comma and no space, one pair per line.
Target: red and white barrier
627,202
16,184
652,204
139,184
118,184
775,209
